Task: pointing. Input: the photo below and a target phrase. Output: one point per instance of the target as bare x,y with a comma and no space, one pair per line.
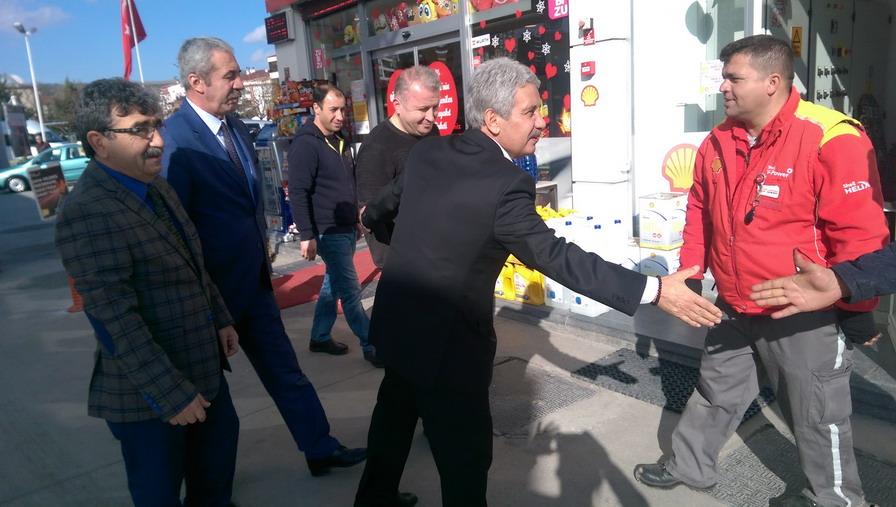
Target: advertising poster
48,184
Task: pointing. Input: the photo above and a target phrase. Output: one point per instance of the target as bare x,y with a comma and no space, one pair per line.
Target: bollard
77,302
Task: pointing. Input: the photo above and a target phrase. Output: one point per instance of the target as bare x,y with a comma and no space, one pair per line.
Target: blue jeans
340,283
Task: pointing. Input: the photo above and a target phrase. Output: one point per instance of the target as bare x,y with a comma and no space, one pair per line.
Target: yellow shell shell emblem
678,167
590,95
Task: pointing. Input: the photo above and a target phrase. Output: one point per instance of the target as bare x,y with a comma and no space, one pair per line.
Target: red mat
303,285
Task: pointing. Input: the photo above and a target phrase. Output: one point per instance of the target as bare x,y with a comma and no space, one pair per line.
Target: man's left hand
679,301
812,288
230,340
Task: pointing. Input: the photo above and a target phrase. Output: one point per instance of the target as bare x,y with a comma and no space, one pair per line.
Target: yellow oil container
504,284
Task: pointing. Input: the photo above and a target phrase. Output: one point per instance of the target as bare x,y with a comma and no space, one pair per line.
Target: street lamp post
40,115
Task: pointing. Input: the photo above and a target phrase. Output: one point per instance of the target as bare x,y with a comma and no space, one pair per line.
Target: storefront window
336,57
524,31
392,15
334,31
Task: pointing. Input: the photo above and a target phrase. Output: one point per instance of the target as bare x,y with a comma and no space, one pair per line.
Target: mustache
152,152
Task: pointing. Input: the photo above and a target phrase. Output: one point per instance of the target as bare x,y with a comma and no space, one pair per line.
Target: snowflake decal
545,49
566,67
540,6
496,41
527,35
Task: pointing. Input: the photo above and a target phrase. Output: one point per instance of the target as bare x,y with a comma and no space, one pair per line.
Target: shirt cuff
650,290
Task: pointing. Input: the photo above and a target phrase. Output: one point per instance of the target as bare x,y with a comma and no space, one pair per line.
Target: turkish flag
127,33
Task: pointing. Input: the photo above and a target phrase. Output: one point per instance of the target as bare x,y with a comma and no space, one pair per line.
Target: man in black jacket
464,208
324,204
381,157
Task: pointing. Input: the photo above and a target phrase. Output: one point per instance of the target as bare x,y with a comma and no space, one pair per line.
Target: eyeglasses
748,218
143,131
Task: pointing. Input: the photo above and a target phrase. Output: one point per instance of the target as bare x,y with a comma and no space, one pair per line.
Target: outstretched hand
679,301
812,288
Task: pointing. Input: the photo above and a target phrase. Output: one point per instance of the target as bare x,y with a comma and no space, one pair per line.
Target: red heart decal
558,35
482,24
544,95
531,55
541,30
550,70
510,45
518,13
532,68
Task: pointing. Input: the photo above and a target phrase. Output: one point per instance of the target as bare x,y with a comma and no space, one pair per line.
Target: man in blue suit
210,162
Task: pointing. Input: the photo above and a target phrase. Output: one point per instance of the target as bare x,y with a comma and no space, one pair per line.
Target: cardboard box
661,219
659,262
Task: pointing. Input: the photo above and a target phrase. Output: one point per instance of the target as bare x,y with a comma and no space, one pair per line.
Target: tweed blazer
154,309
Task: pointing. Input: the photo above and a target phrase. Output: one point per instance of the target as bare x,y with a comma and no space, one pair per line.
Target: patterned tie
231,152
158,205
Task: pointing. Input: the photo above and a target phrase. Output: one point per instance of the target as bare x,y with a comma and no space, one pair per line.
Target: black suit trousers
458,426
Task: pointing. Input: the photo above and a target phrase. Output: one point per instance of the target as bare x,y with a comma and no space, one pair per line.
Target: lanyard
341,144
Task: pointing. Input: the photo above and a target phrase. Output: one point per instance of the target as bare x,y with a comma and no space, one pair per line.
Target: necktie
161,210
231,152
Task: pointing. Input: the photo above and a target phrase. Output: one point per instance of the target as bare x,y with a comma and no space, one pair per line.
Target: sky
81,39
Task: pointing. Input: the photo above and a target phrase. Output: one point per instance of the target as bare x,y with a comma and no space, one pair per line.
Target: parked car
70,156
266,135
255,126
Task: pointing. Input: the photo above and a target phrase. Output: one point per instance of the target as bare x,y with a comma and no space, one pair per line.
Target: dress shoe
341,458
802,501
402,500
373,359
655,475
329,346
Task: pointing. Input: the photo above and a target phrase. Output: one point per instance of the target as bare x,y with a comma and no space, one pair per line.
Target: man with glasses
210,162
162,327
780,173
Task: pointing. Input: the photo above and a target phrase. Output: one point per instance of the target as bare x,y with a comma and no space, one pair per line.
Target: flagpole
136,43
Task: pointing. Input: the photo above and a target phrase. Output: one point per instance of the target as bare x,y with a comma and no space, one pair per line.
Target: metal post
136,43
40,114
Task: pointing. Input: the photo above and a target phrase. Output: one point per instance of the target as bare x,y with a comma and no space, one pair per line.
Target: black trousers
458,426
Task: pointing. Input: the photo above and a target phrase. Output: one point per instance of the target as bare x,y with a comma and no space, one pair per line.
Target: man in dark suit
464,208
161,325
211,164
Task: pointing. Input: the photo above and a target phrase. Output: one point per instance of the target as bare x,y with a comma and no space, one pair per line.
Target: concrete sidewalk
579,454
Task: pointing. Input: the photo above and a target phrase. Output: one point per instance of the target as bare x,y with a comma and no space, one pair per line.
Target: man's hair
195,57
493,86
103,98
427,78
322,90
767,54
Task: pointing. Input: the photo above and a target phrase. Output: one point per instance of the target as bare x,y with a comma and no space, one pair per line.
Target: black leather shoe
372,358
341,458
655,475
406,499
402,500
329,346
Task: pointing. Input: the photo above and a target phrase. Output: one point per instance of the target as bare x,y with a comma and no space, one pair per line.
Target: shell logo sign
590,95
678,167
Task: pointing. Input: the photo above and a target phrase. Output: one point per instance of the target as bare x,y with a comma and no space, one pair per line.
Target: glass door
445,58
